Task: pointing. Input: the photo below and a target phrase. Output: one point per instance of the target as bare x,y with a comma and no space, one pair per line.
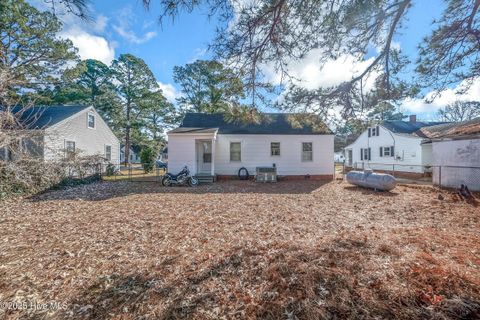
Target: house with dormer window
63,130
392,145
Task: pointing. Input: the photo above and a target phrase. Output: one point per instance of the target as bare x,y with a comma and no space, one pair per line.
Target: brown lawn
291,250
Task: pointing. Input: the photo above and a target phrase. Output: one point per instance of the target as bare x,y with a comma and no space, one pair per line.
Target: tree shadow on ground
341,278
107,190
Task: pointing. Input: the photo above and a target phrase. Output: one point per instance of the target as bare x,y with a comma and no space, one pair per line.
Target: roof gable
407,127
271,123
41,117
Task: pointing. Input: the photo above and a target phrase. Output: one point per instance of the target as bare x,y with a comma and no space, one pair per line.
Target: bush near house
147,158
29,175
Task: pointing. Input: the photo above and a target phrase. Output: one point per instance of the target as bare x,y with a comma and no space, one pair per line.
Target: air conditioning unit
266,174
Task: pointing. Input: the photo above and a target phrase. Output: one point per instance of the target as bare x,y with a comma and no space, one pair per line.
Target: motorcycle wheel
193,182
167,182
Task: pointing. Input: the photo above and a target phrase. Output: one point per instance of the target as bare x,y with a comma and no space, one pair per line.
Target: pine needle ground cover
240,250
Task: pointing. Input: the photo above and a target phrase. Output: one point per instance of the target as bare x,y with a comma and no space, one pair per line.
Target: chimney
413,118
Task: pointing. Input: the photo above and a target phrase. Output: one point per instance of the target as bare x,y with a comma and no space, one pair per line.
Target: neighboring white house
456,153
67,129
134,154
392,145
338,157
210,145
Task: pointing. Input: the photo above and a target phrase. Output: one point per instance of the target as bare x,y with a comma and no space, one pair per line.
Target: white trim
230,150
301,151
279,149
89,113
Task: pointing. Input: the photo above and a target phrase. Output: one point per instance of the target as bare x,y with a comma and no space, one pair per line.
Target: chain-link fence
135,173
442,176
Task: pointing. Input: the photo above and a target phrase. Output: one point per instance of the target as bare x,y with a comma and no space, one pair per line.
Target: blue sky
124,26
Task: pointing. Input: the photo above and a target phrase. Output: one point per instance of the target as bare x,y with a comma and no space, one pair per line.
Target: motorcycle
181,178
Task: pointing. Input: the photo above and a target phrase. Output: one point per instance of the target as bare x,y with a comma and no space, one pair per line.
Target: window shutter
369,154
381,151
369,132
361,154
392,151
378,131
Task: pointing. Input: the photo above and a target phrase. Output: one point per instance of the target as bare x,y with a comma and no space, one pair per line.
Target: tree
135,82
255,34
159,113
451,53
31,53
275,33
207,86
148,157
385,111
460,111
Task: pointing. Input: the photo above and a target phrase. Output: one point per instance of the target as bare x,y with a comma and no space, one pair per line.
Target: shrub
110,170
148,157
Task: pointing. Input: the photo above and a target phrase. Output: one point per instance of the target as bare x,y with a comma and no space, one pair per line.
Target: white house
133,155
392,145
210,145
455,153
65,129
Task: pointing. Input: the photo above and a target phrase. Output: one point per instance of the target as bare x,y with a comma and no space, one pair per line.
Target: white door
204,157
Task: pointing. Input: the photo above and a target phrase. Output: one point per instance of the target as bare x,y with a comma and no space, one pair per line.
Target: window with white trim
108,153
91,120
235,151
69,149
275,148
307,151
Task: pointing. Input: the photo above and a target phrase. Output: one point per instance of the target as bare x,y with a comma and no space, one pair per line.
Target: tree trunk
127,134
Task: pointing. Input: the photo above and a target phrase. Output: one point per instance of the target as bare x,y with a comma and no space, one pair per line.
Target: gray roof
399,126
40,117
270,123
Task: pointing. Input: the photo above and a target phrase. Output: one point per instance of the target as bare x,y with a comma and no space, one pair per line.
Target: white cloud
100,23
90,46
132,37
442,99
85,35
125,19
169,91
310,73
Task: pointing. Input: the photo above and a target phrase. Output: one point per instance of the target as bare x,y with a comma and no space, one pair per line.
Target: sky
124,26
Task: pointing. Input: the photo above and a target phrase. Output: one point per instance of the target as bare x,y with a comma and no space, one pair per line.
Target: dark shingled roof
272,123
40,117
399,126
453,129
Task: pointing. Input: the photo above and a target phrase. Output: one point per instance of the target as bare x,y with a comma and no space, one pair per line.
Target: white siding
408,151
181,152
89,141
255,152
457,153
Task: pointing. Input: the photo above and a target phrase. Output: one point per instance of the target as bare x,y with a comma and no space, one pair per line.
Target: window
235,151
207,152
307,151
374,131
386,151
70,149
91,120
275,148
365,154
108,153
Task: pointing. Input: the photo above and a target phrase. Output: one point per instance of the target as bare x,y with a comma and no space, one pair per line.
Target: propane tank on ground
369,179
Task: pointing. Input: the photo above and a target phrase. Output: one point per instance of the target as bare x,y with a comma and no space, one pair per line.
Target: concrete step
205,179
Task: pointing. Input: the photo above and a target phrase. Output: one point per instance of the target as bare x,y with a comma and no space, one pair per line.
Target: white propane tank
369,179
